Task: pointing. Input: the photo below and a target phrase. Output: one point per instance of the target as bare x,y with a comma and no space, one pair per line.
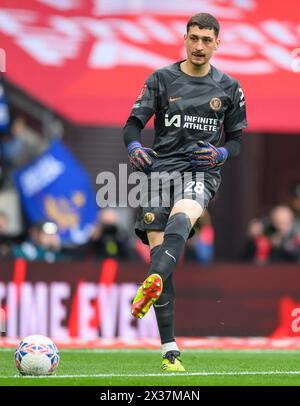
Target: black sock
165,311
166,258
167,255
164,307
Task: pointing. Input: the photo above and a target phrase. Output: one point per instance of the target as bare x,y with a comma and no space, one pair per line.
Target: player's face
200,45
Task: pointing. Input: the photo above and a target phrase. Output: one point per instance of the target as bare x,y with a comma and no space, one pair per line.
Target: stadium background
73,70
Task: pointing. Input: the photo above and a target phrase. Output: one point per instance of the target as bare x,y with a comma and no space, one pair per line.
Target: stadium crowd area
275,237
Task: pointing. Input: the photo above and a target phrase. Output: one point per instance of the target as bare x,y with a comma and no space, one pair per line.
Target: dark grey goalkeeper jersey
188,109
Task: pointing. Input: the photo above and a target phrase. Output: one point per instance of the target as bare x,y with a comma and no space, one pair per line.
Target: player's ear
217,44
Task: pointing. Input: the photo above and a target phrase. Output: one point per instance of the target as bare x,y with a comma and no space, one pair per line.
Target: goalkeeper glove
141,158
207,156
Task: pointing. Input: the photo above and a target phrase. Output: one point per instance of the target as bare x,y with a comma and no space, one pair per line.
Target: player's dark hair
204,20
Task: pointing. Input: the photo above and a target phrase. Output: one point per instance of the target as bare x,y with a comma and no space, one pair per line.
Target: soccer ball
36,355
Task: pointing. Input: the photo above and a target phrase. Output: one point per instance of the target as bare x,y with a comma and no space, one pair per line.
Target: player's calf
176,233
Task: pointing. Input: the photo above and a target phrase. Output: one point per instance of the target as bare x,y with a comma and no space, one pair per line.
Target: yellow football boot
172,363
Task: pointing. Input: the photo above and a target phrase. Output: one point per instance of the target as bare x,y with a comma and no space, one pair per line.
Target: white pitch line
208,373
187,350
100,350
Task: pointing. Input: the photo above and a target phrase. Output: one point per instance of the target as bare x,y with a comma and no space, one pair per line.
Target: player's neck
192,70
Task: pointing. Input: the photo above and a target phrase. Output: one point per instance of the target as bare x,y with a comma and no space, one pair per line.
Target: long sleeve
233,142
132,130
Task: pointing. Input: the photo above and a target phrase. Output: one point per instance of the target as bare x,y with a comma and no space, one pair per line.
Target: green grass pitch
142,367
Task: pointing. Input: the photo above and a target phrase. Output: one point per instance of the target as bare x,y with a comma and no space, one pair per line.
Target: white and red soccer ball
36,355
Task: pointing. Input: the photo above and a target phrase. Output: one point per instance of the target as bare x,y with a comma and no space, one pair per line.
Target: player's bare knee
155,238
191,208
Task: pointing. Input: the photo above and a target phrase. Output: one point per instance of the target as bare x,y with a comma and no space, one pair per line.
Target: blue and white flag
56,188
4,111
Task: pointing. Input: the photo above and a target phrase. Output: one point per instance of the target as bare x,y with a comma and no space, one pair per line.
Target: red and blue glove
141,158
207,156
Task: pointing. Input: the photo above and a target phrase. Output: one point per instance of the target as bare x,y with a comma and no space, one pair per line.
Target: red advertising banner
87,60
87,300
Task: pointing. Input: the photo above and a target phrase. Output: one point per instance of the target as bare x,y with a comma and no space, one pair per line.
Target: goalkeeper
197,108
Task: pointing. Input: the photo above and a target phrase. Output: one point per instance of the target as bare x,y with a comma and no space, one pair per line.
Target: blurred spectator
21,144
284,240
10,206
110,239
4,241
200,247
43,244
3,223
18,146
295,205
274,239
258,244
11,230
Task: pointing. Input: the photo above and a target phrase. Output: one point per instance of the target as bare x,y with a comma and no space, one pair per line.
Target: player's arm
141,158
206,155
235,121
233,141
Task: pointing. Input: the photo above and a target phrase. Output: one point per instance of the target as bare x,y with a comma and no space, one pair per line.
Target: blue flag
4,111
56,188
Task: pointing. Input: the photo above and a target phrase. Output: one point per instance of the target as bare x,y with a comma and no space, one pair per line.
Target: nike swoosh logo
172,99
170,256
156,305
